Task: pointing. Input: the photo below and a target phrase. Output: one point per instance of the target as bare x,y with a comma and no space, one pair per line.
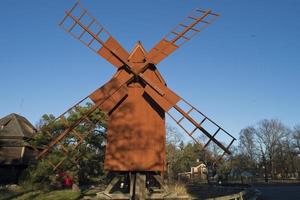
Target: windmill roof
14,126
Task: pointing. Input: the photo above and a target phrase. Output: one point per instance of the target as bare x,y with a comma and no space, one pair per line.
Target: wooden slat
165,101
205,132
74,125
117,54
183,116
158,52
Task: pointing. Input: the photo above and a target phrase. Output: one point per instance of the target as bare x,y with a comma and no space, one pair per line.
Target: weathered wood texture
136,126
15,132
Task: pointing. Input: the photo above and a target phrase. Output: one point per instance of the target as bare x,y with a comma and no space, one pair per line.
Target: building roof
14,126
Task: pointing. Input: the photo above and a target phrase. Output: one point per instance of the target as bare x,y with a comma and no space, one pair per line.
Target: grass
28,195
91,192
60,195
39,194
179,189
6,193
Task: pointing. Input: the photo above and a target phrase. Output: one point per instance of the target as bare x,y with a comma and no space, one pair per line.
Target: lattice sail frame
194,23
68,141
190,26
187,117
84,27
77,18
193,123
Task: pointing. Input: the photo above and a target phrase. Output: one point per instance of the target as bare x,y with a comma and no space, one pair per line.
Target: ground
38,194
197,191
279,192
204,191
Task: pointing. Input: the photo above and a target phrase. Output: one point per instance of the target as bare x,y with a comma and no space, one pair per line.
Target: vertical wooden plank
140,187
132,184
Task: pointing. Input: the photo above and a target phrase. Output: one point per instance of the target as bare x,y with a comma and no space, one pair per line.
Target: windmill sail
183,32
201,128
198,126
84,27
106,101
69,139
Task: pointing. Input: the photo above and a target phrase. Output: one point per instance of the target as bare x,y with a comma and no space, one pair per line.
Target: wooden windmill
136,100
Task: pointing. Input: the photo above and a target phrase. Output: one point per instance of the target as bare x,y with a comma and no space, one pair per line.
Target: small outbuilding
16,133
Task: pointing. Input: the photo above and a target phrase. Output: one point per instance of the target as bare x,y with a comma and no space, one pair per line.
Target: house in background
198,172
16,132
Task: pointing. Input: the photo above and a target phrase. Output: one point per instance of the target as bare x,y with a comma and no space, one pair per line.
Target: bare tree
296,137
270,134
247,145
173,141
173,137
296,142
285,157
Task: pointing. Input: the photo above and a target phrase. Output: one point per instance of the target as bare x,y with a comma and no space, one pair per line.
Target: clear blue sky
241,69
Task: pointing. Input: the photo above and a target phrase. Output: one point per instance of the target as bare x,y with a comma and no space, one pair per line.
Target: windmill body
136,101
136,124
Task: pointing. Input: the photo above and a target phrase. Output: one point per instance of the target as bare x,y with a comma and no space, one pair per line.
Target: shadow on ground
204,191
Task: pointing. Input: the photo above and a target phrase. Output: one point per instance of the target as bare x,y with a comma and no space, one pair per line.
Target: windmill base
138,186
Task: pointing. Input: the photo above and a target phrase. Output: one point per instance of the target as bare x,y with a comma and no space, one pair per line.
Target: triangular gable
138,53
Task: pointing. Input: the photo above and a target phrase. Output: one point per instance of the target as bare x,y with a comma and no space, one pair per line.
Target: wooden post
140,186
111,185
